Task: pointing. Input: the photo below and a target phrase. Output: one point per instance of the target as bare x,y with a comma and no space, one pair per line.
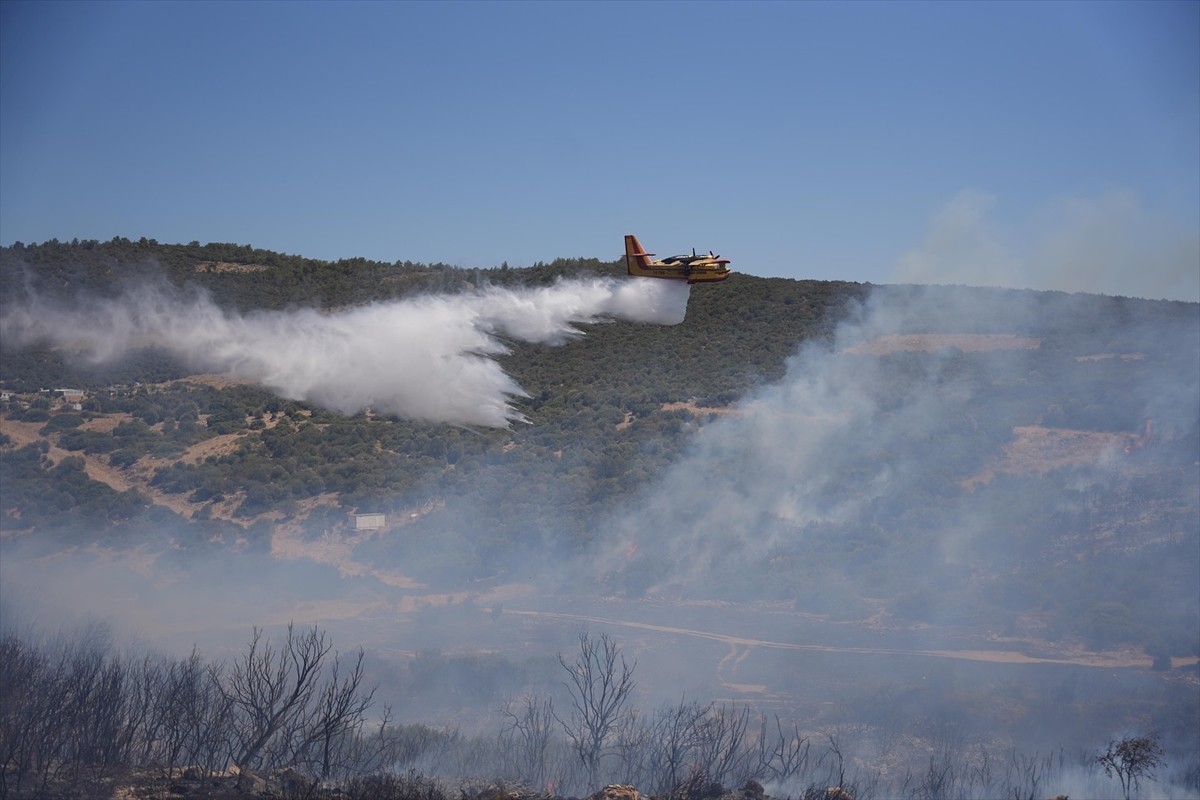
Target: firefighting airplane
693,268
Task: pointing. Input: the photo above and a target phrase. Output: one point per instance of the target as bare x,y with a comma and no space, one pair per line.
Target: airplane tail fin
637,260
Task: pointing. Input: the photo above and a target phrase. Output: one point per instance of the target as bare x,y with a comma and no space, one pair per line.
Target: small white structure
368,522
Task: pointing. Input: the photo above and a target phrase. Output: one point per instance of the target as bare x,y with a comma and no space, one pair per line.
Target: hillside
798,470
617,370
606,413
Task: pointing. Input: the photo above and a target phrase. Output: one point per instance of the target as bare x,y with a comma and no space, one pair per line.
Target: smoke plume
427,358
1108,244
898,426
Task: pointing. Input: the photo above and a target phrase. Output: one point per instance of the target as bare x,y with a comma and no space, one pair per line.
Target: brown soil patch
1110,356
697,411
139,475
106,423
99,469
1037,450
215,380
24,433
931,342
336,550
229,266
221,445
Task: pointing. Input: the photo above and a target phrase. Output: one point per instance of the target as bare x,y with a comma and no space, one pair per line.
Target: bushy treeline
66,498
238,276
78,713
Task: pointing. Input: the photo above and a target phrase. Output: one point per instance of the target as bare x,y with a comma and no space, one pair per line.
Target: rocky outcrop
617,791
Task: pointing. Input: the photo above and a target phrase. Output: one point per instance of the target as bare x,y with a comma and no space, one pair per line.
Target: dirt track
96,467
138,477
932,342
741,646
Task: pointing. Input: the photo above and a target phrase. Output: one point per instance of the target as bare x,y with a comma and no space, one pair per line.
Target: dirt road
96,467
740,647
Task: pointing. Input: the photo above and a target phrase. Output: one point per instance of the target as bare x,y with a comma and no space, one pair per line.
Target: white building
368,522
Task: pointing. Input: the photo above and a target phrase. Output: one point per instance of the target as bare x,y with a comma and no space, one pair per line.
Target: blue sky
1049,145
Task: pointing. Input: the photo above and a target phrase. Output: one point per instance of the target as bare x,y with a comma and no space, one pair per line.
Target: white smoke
843,432
1106,244
428,358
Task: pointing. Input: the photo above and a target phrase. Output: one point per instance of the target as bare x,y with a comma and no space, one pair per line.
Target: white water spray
428,358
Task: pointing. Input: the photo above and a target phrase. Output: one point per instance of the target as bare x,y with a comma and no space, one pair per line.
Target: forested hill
245,278
979,401
735,335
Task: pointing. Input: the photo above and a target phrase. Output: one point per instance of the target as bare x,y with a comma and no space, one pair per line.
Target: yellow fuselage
695,272
693,268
